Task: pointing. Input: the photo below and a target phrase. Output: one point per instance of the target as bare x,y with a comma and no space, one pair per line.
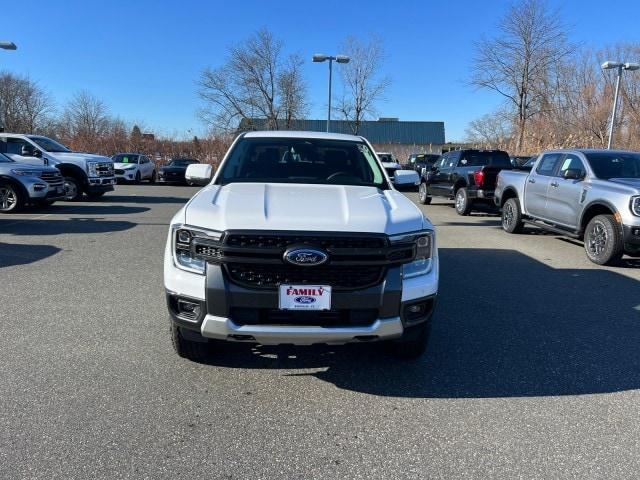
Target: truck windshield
181,162
49,145
302,160
480,159
608,165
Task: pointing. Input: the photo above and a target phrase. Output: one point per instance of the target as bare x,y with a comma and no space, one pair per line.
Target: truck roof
302,134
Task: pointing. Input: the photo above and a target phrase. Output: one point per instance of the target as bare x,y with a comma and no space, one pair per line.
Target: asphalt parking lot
533,366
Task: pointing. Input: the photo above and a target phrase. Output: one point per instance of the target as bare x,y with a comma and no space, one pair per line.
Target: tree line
555,93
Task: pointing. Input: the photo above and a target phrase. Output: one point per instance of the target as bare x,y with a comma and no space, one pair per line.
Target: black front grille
323,318
119,171
52,178
104,169
340,277
284,240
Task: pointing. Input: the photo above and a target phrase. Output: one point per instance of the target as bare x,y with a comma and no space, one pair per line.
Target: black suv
468,176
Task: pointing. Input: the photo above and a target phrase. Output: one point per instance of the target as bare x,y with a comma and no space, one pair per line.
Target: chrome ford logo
304,300
305,257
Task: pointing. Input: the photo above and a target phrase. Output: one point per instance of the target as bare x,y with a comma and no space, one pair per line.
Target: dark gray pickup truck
589,194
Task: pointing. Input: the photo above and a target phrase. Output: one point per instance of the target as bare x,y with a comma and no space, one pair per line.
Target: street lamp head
320,57
631,66
609,65
8,45
342,59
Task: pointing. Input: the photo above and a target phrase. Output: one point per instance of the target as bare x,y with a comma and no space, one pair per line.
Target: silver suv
26,184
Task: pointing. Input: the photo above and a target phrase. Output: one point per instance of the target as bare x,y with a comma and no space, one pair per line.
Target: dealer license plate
305,297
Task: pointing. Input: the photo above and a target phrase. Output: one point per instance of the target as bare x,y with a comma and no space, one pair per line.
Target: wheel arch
16,184
508,193
597,207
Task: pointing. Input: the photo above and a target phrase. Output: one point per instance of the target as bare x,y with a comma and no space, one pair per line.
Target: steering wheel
337,174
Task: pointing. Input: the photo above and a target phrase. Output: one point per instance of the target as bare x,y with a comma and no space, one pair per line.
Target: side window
14,145
548,164
443,161
571,161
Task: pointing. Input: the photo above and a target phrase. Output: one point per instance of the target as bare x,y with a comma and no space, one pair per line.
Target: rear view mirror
199,173
573,174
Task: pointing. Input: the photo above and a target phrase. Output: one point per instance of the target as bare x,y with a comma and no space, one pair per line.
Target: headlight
26,173
183,251
92,169
422,261
635,205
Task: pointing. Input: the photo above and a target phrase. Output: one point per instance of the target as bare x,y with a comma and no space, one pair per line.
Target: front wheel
463,202
138,178
72,189
423,194
512,216
603,241
10,199
195,351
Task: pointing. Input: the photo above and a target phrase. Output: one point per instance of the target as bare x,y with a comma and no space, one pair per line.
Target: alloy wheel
507,215
597,240
8,199
70,190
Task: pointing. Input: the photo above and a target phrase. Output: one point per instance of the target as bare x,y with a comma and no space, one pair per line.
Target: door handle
554,184
532,180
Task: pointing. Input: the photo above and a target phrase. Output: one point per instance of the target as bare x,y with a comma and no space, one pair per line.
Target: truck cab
83,172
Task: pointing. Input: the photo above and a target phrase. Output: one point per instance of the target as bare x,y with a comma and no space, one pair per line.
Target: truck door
537,185
565,196
21,151
442,183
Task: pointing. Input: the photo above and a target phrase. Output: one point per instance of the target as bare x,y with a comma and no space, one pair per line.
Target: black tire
152,179
512,216
463,202
603,240
95,195
423,195
73,189
11,198
195,351
413,342
138,178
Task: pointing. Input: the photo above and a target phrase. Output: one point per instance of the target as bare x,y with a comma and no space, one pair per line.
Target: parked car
174,171
300,239
27,184
589,194
468,176
520,160
82,172
421,161
134,167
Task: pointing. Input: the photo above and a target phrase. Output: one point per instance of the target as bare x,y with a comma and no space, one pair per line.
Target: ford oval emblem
304,300
305,257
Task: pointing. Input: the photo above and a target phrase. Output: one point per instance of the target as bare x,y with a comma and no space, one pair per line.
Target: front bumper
631,236
100,184
171,178
126,177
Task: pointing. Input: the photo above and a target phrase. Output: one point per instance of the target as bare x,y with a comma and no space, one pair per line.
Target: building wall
402,152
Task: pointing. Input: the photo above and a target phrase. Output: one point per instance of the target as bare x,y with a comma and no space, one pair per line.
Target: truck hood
73,157
630,182
273,206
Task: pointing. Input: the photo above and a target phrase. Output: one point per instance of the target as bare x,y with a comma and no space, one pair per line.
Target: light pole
7,45
619,66
319,57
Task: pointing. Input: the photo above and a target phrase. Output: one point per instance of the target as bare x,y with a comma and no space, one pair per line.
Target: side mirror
405,178
27,151
573,174
199,173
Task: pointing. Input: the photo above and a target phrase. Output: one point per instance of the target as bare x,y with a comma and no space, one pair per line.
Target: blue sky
142,58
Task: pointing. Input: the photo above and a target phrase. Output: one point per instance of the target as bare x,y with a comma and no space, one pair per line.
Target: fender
15,183
70,170
601,202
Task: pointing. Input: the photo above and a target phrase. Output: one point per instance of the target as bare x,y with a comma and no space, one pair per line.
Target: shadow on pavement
58,227
90,209
17,254
506,325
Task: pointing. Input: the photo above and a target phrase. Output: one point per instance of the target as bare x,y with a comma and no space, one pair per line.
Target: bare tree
254,82
84,120
24,106
517,62
492,130
363,85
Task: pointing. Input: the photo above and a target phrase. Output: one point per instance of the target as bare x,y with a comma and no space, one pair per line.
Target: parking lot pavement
532,370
